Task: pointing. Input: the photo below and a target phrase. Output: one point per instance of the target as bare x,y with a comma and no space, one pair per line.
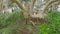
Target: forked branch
19,4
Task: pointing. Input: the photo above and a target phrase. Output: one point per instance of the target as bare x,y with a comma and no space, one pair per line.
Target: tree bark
49,3
31,8
19,4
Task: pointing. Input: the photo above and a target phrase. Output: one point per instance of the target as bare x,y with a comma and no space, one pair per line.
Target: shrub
53,26
8,23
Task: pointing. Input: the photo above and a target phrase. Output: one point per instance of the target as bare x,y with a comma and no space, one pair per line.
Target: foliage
8,30
8,23
53,26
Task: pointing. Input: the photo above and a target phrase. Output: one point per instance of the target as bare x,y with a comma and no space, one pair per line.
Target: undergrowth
11,23
53,26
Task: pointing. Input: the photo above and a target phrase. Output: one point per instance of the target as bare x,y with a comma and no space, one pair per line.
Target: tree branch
32,5
19,4
49,3
57,2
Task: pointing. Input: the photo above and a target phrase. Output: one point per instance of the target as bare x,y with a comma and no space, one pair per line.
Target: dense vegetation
11,23
29,16
53,26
